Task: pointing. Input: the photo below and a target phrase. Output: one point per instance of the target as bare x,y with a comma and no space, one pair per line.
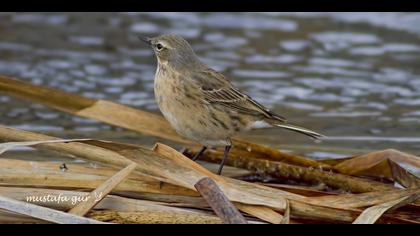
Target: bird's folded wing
217,89
232,98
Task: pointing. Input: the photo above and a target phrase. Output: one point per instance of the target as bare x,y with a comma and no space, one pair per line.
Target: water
352,76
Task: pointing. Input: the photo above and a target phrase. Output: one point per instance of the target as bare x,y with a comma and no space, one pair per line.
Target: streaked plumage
202,104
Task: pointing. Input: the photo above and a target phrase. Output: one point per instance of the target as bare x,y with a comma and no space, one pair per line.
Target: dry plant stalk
68,180
311,175
101,191
151,217
4,147
7,217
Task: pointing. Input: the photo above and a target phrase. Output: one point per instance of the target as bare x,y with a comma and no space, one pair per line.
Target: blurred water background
354,77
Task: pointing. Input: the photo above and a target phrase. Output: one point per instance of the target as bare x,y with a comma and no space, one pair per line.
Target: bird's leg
225,156
199,153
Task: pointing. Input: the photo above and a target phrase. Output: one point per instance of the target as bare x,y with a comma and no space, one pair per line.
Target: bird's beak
145,39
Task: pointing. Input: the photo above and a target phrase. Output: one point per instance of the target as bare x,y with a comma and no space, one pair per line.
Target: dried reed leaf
58,179
77,168
195,202
7,217
132,119
372,214
176,166
228,171
242,147
367,161
403,177
286,217
301,190
4,147
43,212
362,199
226,184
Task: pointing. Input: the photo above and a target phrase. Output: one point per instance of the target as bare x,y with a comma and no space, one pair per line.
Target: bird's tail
301,130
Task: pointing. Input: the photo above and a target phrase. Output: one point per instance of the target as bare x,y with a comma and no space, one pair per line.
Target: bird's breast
174,96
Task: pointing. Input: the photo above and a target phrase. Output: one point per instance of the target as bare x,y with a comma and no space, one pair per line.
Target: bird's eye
159,47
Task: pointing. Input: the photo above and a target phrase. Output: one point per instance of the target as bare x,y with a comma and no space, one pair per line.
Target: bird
202,104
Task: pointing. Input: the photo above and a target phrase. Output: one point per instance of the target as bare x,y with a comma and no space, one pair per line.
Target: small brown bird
200,103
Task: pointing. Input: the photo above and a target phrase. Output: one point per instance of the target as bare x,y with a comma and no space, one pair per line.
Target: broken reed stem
22,173
100,192
221,205
261,212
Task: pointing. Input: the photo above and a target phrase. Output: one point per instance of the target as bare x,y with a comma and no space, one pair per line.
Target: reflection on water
343,74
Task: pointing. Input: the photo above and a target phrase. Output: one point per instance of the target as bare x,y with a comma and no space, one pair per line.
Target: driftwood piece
223,208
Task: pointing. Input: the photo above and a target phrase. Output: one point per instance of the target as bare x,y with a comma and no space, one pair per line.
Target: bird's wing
218,90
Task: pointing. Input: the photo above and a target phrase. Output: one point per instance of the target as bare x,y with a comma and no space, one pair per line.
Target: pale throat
162,62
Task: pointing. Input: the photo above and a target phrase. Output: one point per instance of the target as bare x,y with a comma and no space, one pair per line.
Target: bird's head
172,50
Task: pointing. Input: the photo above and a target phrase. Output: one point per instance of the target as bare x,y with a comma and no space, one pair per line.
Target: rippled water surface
352,76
